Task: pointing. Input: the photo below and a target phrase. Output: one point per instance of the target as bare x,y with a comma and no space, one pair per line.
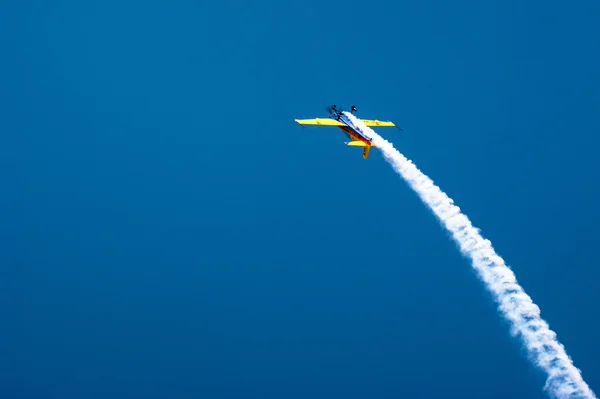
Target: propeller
331,108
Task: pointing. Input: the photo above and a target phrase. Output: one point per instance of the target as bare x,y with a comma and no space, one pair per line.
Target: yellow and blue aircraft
337,118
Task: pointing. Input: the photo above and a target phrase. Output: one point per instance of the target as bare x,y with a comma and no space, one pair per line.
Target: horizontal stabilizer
356,143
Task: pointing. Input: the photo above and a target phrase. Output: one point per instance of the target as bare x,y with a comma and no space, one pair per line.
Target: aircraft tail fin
366,151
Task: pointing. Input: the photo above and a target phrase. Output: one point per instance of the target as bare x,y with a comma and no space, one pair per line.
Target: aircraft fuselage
350,131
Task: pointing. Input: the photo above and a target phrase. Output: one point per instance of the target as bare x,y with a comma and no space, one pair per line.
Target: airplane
337,118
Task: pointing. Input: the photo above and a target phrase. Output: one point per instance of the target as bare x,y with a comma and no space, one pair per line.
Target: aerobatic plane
337,118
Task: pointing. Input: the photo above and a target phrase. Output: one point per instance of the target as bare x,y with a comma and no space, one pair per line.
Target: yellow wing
333,122
319,121
370,122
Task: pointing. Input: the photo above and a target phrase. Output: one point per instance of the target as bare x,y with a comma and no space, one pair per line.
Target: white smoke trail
564,380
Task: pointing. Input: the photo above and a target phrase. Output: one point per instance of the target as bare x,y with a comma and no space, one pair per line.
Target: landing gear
353,108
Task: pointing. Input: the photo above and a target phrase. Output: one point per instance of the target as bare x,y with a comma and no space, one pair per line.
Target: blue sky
170,232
